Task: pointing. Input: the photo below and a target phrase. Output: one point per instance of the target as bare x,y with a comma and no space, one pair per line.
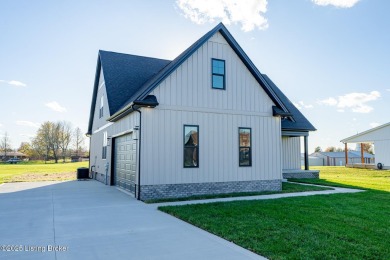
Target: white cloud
336,3
27,123
373,124
300,105
341,110
330,101
249,13
388,89
15,83
354,101
56,107
1,125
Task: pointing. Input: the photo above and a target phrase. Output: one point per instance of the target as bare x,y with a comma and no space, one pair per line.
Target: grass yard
286,188
339,226
351,177
39,172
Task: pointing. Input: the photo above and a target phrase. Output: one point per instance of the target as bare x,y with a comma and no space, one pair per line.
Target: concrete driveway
88,220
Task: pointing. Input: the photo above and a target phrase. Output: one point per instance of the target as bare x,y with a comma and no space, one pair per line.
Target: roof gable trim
154,82
348,139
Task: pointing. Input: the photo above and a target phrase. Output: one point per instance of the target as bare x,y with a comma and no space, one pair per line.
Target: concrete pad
94,221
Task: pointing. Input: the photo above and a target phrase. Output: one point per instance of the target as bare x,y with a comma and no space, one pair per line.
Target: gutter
122,113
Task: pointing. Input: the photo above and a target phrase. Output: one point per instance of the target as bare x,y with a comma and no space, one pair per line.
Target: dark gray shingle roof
301,123
124,74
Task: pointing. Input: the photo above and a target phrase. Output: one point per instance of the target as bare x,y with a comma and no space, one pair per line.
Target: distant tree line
53,141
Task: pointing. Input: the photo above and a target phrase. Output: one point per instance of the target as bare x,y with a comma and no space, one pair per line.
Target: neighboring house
206,122
380,138
6,156
313,161
338,158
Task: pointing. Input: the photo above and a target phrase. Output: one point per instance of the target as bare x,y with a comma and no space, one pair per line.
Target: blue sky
330,57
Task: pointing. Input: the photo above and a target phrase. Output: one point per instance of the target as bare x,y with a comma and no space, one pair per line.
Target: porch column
361,152
305,141
346,154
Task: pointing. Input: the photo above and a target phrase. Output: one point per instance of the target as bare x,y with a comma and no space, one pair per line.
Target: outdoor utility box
82,173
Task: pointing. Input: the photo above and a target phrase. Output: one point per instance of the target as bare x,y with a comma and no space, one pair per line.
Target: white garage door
125,162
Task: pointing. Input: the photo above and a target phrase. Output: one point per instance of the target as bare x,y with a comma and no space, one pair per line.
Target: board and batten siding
186,98
99,122
162,147
190,85
291,147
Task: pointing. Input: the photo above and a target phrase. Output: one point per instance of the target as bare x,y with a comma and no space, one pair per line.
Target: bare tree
78,139
64,137
5,144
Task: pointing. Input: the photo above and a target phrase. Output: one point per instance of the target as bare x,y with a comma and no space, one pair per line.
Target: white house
206,122
380,137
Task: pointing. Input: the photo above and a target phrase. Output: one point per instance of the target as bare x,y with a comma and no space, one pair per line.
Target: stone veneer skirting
192,189
300,174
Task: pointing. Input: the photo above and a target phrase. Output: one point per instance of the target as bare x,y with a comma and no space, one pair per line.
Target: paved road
88,220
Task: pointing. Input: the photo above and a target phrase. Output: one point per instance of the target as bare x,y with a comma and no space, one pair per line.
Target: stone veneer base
297,174
163,191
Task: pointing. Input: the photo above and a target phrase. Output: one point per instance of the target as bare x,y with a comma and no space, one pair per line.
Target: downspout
89,161
139,153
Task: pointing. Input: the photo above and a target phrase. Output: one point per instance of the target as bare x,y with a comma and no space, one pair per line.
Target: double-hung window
218,74
245,149
191,146
104,150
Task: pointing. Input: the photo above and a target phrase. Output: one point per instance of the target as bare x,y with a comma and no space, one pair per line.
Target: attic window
218,74
101,107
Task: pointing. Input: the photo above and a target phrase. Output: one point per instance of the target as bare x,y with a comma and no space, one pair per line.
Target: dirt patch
44,177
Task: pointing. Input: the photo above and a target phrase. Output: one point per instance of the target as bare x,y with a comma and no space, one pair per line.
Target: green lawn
39,172
286,188
339,226
351,177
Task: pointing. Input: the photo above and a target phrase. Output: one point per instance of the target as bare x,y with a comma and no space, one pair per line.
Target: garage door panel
125,162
